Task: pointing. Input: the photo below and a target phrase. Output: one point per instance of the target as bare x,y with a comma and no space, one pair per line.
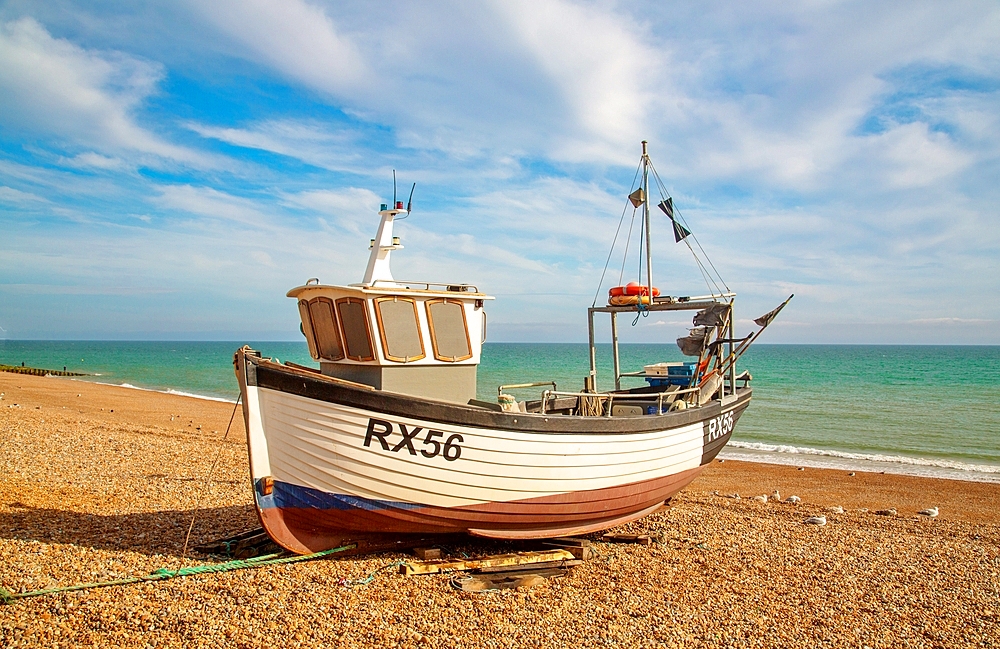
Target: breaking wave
826,458
199,396
168,391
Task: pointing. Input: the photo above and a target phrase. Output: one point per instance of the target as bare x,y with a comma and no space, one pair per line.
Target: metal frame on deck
659,304
638,198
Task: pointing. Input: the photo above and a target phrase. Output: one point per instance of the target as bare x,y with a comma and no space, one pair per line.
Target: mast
383,244
645,209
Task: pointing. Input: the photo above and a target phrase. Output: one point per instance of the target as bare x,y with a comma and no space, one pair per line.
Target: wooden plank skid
427,554
567,542
513,559
581,548
502,580
532,568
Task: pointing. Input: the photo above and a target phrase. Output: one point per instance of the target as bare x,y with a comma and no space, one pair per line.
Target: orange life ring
632,288
635,288
627,300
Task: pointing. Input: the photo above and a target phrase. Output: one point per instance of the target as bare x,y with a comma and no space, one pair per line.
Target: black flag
668,207
766,319
679,230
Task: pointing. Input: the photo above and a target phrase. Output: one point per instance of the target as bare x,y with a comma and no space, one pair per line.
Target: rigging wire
707,258
641,311
642,233
628,239
704,271
709,276
663,191
611,252
693,236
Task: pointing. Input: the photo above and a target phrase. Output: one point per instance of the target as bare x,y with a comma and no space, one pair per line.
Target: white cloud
915,157
11,195
296,37
214,204
262,258
52,86
351,208
94,160
597,59
556,211
812,146
309,141
776,96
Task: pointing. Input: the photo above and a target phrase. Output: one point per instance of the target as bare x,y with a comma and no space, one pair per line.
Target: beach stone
77,492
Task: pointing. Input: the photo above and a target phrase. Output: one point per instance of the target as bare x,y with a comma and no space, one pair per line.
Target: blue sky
168,170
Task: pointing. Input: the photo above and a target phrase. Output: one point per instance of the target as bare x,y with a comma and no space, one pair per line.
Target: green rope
350,583
7,597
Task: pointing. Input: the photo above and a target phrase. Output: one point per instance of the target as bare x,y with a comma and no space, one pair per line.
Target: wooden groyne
36,371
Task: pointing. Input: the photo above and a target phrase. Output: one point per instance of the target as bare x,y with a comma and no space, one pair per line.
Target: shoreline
833,460
738,450
99,483
172,391
155,408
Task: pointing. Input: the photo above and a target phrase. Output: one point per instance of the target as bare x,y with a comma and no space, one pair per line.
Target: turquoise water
917,409
199,368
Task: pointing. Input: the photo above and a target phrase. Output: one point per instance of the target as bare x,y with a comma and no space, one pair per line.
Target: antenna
409,202
394,188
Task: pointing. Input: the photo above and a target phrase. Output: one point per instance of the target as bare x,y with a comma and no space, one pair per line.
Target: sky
168,170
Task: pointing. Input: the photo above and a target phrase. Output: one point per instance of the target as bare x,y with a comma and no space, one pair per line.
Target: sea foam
876,462
168,391
199,396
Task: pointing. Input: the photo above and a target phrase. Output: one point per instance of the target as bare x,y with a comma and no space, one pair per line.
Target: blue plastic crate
685,370
662,381
680,374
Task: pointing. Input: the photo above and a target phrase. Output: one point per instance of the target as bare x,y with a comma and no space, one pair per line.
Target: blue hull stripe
289,496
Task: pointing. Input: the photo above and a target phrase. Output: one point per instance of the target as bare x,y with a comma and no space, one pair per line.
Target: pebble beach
100,482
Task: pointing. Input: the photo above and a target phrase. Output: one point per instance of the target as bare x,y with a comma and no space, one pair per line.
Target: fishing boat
387,436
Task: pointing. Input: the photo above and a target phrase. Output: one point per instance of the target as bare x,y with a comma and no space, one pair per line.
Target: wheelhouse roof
468,292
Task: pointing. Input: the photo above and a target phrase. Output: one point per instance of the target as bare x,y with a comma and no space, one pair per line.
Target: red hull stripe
307,520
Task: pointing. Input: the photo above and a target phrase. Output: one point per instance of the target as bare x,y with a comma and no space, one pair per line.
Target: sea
918,410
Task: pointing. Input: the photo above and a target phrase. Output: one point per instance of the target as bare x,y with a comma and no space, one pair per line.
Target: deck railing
610,396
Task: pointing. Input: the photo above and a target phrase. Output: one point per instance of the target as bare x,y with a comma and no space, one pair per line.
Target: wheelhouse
417,338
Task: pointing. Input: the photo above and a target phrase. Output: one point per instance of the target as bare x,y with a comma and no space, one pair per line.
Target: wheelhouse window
399,329
307,329
319,323
357,332
449,330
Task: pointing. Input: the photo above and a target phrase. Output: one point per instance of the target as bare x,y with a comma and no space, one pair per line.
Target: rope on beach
7,597
349,583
